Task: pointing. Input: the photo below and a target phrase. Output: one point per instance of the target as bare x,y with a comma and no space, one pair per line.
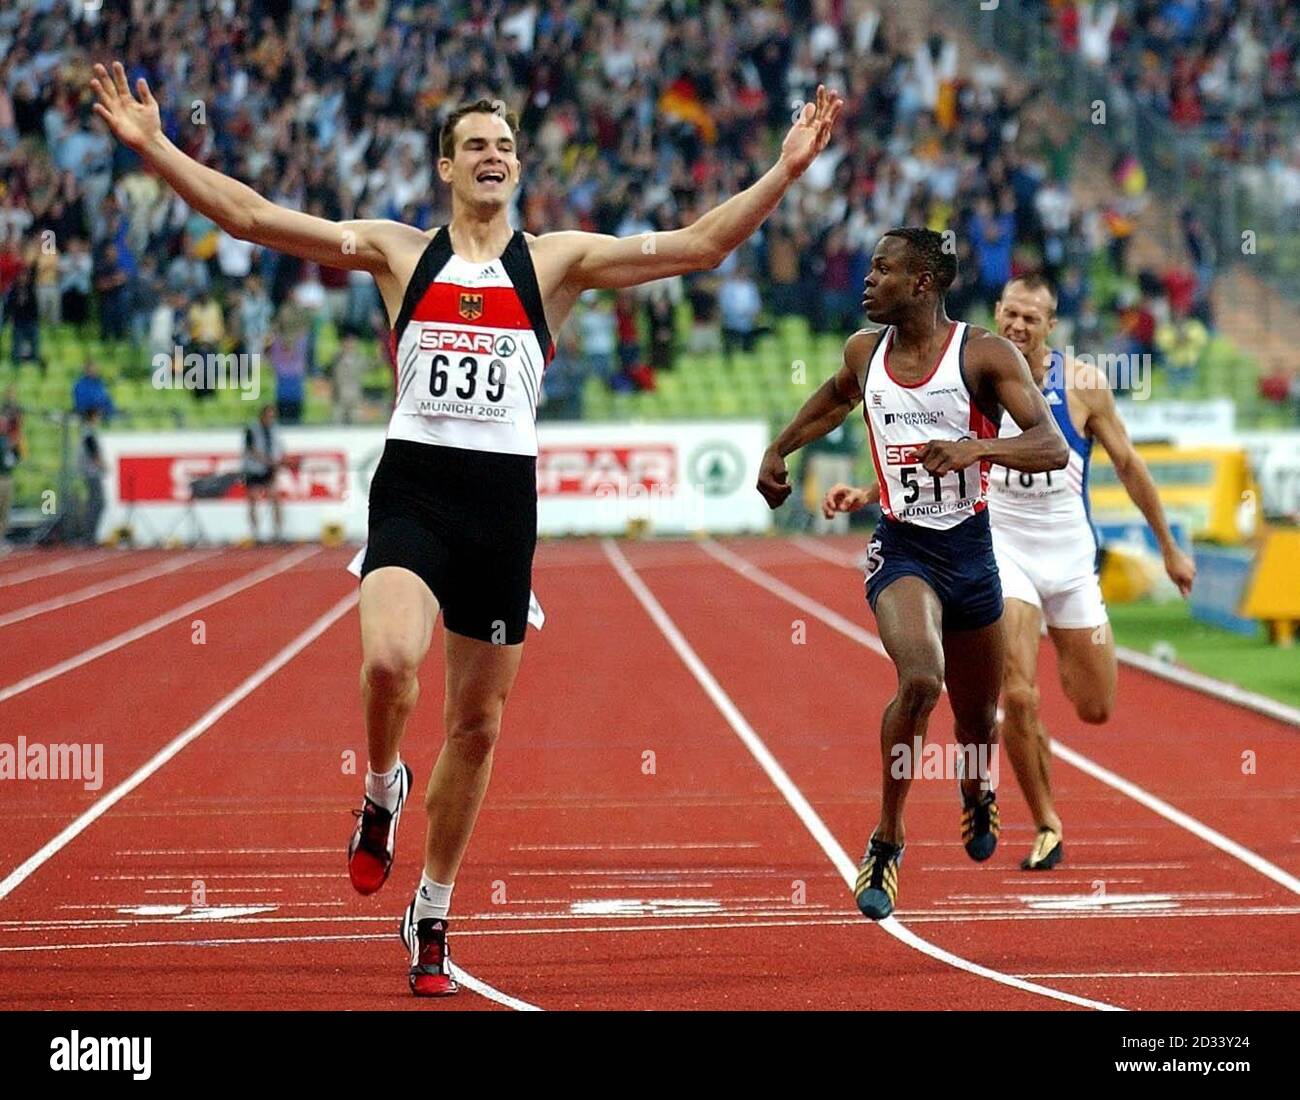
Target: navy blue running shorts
957,563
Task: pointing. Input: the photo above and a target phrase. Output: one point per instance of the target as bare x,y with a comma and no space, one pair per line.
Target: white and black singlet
454,498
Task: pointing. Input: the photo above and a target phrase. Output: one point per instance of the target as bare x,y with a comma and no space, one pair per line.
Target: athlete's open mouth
491,177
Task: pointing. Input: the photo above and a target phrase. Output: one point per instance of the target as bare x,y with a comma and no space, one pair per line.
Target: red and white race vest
470,346
901,417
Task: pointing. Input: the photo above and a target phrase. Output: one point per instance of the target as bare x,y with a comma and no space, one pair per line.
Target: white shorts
1063,586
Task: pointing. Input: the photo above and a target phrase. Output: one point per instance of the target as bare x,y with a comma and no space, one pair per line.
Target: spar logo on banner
647,469
167,478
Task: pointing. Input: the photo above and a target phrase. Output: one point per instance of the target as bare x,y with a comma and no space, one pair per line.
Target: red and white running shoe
374,842
426,940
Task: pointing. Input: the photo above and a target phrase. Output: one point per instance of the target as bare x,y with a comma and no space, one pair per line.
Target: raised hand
134,122
811,131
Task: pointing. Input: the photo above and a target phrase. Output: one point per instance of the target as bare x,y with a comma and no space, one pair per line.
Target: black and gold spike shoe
876,890
980,825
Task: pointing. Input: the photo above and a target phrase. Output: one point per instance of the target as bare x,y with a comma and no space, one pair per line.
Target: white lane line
228,851
462,975
826,553
491,992
1176,974
1172,813
286,561
107,801
1207,685
49,569
779,588
630,929
90,592
1117,782
811,821
667,846
577,924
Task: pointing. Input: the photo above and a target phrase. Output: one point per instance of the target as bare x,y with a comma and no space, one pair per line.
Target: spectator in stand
632,370
739,304
186,272
562,383
48,302
1281,385
1200,247
89,394
334,284
75,273
598,335
783,267
234,259
255,314
24,313
1182,341
661,325
841,297
992,235
1070,295
93,470
288,354
167,325
143,293
12,447
345,373
11,267
111,287
207,330
361,306
1137,338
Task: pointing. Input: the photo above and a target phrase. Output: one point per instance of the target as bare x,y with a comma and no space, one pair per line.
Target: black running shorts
464,522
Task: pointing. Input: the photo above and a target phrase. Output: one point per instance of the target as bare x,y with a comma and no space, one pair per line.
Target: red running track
633,852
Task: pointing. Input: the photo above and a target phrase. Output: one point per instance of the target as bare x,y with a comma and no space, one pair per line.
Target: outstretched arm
821,414
1105,425
237,208
595,260
998,372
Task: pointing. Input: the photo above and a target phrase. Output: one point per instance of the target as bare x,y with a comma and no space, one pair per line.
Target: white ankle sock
384,788
432,899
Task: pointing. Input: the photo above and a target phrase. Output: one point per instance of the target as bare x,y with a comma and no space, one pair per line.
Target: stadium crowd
635,117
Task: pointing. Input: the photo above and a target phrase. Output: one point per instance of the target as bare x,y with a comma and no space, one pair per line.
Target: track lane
565,896
16,592
1114,846
130,701
1227,766
590,883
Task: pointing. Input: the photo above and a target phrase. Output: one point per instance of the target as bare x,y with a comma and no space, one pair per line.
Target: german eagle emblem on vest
471,306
